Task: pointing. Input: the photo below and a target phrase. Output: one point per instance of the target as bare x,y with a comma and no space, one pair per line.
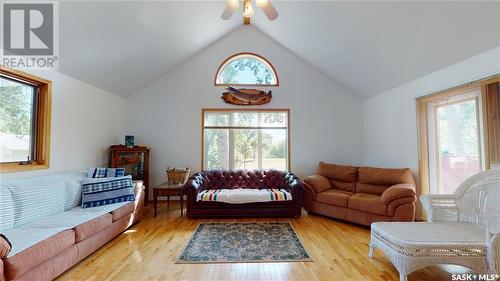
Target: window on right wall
459,134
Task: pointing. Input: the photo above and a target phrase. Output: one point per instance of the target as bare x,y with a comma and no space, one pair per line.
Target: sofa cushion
370,203
377,180
347,186
25,237
104,191
6,207
74,217
48,226
244,195
91,227
72,189
376,189
338,172
35,198
123,211
334,197
318,182
34,255
340,176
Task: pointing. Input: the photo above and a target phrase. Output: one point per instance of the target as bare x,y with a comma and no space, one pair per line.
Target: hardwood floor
148,252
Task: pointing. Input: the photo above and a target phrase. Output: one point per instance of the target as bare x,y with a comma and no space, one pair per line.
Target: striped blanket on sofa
242,195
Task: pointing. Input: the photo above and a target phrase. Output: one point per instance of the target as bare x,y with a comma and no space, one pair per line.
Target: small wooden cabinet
135,160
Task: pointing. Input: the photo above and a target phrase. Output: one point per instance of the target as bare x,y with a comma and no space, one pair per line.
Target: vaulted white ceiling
369,47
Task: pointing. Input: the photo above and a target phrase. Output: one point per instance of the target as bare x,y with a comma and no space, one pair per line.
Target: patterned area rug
243,242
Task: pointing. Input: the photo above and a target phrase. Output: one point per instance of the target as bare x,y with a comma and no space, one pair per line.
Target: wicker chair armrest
440,208
493,253
493,226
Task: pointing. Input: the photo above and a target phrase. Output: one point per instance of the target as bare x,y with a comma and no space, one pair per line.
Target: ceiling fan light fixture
262,3
248,10
235,4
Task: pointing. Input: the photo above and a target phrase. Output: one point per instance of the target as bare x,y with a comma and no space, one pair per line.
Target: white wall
326,119
85,121
390,119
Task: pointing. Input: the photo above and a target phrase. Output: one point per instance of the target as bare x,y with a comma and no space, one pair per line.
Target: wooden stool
168,190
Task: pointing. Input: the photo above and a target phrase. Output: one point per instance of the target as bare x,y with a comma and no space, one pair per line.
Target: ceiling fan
248,11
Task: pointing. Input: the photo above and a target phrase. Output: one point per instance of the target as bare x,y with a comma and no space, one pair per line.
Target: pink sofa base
61,262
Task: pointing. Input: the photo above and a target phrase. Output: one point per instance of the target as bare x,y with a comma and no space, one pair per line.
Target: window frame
422,103
204,110
41,123
434,143
258,57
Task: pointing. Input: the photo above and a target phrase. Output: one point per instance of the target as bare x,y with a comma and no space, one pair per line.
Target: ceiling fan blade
231,6
270,11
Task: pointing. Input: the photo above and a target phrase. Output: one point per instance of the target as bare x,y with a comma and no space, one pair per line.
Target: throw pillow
106,172
5,246
105,191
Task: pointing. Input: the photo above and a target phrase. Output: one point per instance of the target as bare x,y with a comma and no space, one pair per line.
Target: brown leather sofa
218,179
361,195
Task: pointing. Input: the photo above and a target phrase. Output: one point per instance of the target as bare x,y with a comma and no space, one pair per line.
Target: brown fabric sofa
51,257
361,195
217,179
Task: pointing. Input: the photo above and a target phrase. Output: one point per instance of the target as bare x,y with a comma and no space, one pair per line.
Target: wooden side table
168,190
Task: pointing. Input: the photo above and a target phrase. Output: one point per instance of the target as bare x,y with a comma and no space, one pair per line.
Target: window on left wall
24,121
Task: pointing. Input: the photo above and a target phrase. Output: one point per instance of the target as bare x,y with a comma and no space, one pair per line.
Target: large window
455,146
459,137
245,139
246,69
24,121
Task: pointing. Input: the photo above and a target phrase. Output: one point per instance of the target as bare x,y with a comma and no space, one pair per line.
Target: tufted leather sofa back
217,179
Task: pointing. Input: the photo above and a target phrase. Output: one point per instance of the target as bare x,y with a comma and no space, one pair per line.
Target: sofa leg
370,252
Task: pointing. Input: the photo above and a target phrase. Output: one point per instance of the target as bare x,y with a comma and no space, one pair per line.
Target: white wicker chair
463,229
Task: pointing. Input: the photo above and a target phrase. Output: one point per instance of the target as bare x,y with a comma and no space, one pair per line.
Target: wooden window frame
43,117
422,120
204,110
257,56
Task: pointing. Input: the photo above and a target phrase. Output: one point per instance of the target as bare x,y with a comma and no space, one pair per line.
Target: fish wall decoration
246,96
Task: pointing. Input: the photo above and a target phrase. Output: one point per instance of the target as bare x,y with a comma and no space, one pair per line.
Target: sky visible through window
246,70
16,108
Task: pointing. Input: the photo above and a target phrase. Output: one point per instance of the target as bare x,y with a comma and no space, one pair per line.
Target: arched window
246,69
